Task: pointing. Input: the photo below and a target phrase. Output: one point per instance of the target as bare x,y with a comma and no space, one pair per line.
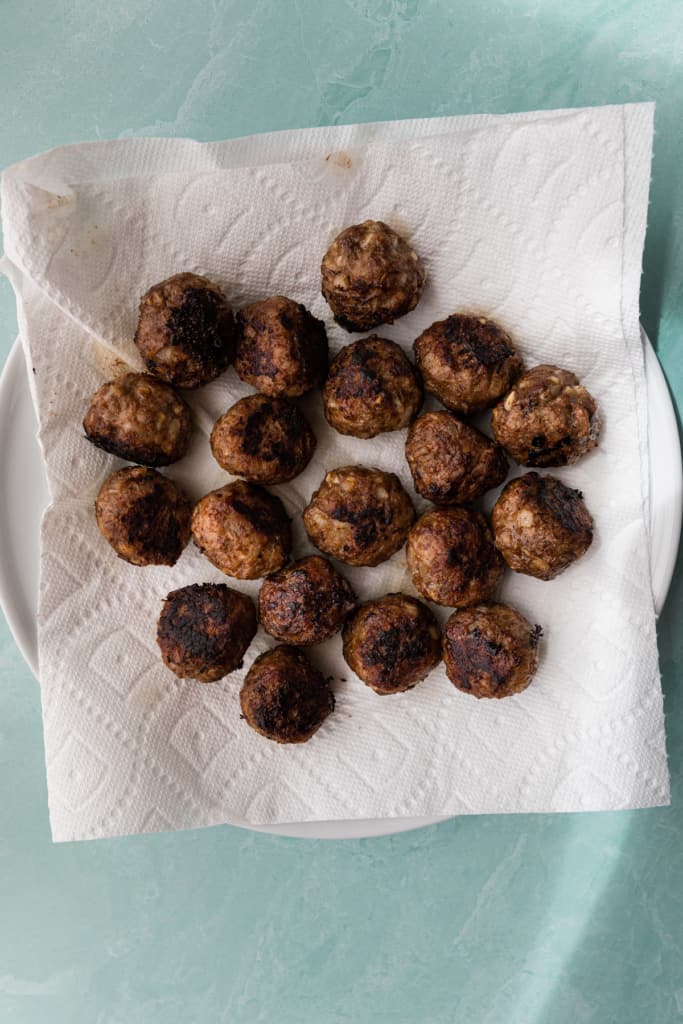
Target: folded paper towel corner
537,220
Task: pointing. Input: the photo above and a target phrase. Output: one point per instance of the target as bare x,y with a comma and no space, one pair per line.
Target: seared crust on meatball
541,526
359,515
305,603
468,362
265,440
490,650
451,461
284,697
371,276
452,557
281,347
243,530
548,419
204,631
186,330
372,387
392,643
144,516
140,418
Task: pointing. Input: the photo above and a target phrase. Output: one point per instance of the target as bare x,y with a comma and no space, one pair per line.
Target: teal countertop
573,919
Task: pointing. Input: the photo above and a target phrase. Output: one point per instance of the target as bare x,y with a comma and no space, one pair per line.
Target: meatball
305,603
359,515
548,419
452,557
541,526
204,631
139,418
490,650
284,697
468,362
144,516
281,347
243,530
266,440
371,388
392,643
452,462
186,330
371,276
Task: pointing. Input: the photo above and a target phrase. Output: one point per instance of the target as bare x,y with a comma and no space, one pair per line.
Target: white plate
24,495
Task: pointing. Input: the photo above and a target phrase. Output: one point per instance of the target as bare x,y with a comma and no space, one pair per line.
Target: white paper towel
534,219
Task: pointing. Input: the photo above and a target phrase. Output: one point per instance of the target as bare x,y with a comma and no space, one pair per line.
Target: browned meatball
359,515
490,650
452,557
392,643
281,347
139,418
204,631
144,516
548,419
371,276
284,697
243,530
452,462
468,362
371,387
305,603
186,330
541,526
266,440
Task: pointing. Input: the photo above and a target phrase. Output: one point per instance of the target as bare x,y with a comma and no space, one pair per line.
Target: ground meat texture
468,362
548,419
359,515
243,530
139,418
284,697
490,650
392,643
204,631
281,347
371,388
541,526
265,440
144,516
371,276
452,462
186,330
452,557
305,603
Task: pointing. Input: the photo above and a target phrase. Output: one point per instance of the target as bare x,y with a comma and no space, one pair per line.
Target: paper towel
536,220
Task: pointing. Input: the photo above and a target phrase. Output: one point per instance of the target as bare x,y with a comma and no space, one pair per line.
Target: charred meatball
265,440
139,418
371,276
204,631
243,530
541,526
468,362
186,330
284,697
452,462
548,419
281,347
490,650
392,643
144,516
359,515
371,388
452,557
305,603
